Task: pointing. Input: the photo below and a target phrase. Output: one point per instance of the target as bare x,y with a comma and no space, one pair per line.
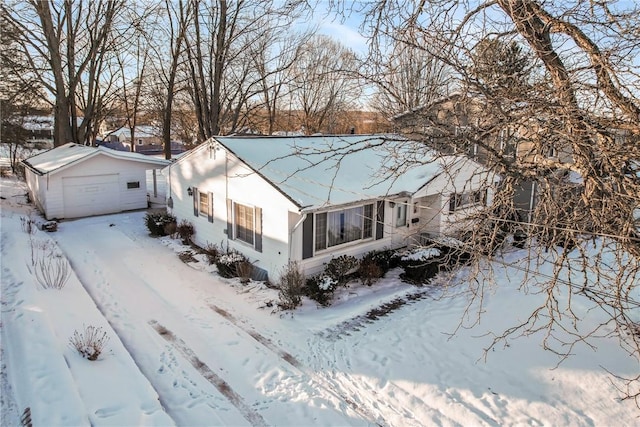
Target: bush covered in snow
320,289
341,269
157,222
228,264
89,343
420,264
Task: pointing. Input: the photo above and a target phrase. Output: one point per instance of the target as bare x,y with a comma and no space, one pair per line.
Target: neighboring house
308,199
452,116
40,131
74,180
147,140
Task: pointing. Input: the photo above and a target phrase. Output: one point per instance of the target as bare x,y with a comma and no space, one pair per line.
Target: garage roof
60,157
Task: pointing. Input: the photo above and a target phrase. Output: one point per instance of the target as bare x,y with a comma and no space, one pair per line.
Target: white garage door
90,195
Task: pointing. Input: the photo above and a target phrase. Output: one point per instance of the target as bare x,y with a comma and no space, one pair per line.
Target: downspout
226,190
293,230
170,199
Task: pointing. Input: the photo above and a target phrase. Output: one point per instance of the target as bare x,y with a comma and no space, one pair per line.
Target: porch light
190,191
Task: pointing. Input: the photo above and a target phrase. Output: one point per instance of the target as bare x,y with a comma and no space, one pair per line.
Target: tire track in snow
223,387
287,357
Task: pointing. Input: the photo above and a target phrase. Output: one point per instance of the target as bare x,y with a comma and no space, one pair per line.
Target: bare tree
69,45
560,83
405,76
222,46
325,84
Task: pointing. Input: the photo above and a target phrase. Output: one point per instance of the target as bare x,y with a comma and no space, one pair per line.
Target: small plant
28,225
89,343
290,285
212,252
339,269
244,270
157,221
52,272
185,231
320,289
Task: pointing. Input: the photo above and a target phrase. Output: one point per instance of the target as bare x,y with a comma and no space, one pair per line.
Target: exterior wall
205,169
36,190
51,185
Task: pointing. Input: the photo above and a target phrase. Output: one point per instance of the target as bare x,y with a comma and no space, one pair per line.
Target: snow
187,347
333,170
56,158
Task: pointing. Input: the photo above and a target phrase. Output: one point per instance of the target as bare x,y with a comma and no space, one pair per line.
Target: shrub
171,229
52,272
421,264
244,270
341,268
290,287
369,271
157,221
89,343
185,231
212,252
383,259
227,264
320,289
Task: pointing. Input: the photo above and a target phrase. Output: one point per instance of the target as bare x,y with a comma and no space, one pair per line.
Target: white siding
205,169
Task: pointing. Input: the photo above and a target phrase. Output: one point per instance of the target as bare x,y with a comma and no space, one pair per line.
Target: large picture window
244,223
343,226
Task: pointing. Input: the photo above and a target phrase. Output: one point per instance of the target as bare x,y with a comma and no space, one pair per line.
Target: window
133,184
139,142
203,208
401,215
464,200
244,223
202,204
343,226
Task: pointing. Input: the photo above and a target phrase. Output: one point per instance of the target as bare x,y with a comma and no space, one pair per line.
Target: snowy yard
188,348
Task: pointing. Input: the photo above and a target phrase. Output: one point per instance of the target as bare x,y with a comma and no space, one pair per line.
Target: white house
308,199
74,180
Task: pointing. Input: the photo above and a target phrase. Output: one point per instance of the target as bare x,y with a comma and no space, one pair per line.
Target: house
308,199
147,140
74,180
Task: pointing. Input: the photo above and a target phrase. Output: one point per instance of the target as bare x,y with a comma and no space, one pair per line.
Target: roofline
300,207
95,151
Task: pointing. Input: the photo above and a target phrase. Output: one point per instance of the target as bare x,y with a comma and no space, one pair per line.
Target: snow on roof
141,131
321,171
59,157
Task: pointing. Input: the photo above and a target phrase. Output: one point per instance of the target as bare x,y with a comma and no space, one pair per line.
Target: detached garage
73,181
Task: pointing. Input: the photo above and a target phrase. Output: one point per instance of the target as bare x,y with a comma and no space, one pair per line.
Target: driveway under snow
187,347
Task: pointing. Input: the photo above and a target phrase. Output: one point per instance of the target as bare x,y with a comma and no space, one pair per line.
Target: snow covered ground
188,348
